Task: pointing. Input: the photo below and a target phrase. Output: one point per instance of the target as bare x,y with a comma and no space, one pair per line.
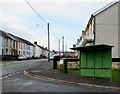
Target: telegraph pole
48,43
63,45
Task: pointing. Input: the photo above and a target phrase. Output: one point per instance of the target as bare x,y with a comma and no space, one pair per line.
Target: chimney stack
35,42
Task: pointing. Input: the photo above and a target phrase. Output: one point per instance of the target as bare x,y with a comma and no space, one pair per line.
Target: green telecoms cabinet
95,60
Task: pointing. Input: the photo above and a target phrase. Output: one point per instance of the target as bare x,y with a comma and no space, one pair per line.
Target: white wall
7,45
21,48
119,29
27,49
38,51
106,28
31,50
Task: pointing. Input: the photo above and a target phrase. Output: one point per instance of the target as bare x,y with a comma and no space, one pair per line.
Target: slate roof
13,37
4,34
21,39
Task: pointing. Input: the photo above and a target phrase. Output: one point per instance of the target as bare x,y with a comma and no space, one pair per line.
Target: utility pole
65,48
59,47
48,43
63,45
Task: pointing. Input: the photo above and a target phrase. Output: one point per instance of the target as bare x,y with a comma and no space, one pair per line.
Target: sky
67,18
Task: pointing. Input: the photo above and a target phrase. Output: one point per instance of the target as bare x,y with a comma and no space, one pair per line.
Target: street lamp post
48,40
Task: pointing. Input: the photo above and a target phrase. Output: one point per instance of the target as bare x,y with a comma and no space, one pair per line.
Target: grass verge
69,71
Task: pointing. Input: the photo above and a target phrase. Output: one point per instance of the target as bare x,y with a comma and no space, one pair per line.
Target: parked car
22,57
36,57
54,56
51,57
25,57
29,56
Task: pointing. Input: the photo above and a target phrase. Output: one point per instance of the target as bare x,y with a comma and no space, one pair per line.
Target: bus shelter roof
92,47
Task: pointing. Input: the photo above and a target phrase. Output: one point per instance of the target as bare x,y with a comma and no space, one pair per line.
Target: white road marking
11,74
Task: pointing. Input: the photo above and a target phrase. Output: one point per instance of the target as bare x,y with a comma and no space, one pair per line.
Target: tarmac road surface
19,82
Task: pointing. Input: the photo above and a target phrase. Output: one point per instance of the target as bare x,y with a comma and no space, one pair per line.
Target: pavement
43,72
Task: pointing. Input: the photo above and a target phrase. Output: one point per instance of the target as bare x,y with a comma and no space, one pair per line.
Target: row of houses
103,28
13,45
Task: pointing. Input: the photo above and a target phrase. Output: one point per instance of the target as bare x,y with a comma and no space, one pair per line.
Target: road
15,66
18,82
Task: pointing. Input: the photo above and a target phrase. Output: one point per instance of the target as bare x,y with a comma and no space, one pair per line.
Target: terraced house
8,44
104,28
39,50
12,45
24,47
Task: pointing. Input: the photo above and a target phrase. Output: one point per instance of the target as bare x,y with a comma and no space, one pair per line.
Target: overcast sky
66,17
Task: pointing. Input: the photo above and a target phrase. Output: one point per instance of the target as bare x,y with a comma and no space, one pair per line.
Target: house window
2,42
6,51
21,46
14,44
10,43
24,52
24,46
6,42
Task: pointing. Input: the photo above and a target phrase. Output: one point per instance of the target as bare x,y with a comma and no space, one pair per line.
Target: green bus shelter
96,60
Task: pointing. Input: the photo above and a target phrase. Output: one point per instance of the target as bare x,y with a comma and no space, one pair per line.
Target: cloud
66,17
